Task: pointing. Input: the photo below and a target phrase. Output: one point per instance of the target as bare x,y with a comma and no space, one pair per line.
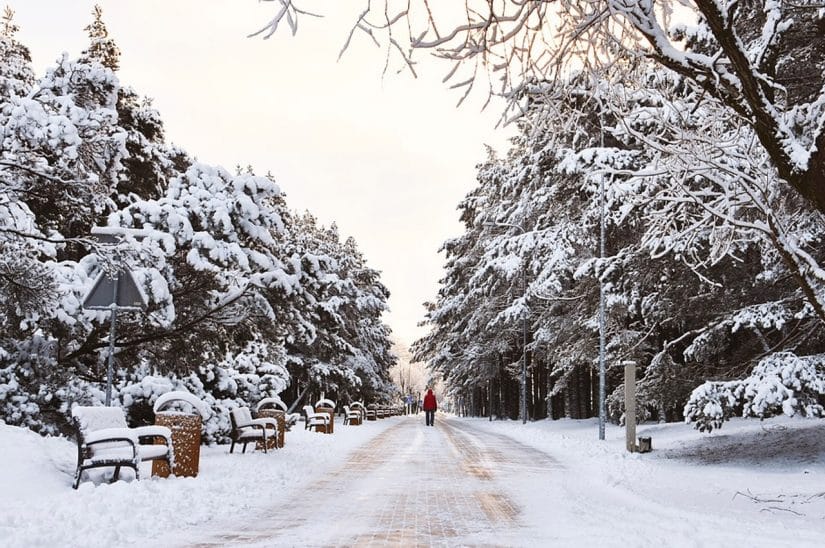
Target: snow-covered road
396,482
414,485
465,482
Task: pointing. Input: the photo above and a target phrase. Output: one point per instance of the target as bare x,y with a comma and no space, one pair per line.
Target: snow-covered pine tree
231,280
16,74
102,48
741,300
337,344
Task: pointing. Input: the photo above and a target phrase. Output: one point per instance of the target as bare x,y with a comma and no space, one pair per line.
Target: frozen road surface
447,485
470,483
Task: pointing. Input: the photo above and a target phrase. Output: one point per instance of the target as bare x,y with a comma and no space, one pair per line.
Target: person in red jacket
429,407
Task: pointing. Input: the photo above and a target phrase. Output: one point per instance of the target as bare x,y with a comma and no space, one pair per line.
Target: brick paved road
415,486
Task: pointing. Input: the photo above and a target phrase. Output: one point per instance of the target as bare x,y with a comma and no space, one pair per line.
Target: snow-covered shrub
781,383
785,383
711,404
17,406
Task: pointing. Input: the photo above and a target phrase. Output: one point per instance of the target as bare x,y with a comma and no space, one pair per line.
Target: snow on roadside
38,507
758,483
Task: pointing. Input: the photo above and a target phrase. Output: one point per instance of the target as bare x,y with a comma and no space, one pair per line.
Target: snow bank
753,483
38,507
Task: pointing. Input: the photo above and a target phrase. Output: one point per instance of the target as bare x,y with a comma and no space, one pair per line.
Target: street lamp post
523,388
602,373
602,366
524,346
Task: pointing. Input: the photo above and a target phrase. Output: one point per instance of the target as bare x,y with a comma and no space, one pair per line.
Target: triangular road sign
102,295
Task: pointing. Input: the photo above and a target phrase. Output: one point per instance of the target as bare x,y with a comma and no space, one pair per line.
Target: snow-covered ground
38,506
751,483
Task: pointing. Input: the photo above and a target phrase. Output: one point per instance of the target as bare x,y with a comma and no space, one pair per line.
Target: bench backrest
308,410
89,419
325,403
241,416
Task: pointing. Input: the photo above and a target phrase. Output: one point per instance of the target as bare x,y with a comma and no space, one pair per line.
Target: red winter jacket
429,401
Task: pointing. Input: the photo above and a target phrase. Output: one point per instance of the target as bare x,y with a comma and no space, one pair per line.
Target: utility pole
602,373
524,344
490,397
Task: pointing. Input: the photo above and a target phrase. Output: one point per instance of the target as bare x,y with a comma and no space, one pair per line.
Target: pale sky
387,159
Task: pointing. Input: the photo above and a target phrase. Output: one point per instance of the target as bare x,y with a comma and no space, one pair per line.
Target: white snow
751,483
170,398
38,506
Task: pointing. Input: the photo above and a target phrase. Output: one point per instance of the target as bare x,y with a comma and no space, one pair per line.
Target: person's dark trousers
429,417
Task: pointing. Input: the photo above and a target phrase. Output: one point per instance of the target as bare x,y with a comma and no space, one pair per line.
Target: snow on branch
287,10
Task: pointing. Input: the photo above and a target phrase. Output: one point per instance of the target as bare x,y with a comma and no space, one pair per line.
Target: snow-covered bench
246,429
368,411
318,421
104,439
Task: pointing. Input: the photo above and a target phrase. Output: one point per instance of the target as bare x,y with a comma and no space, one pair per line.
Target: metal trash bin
186,434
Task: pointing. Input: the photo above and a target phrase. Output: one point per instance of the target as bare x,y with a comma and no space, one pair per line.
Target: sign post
118,293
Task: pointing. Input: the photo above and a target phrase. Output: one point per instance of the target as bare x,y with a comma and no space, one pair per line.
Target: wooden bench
104,439
317,421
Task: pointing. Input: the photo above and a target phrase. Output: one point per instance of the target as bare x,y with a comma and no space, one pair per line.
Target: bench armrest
266,422
320,416
154,431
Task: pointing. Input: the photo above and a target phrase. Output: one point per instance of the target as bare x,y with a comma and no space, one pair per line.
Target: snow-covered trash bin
328,407
273,408
183,414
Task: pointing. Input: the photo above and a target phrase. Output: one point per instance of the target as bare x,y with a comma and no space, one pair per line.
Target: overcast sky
387,159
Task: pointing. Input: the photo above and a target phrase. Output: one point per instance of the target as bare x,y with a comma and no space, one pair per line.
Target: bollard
630,404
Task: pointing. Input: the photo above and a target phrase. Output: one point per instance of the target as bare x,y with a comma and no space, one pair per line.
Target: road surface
413,485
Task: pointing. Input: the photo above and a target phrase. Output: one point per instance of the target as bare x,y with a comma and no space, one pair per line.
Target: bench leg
77,474
117,474
232,447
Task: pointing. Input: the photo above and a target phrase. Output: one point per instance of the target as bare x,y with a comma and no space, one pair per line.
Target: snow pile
38,507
